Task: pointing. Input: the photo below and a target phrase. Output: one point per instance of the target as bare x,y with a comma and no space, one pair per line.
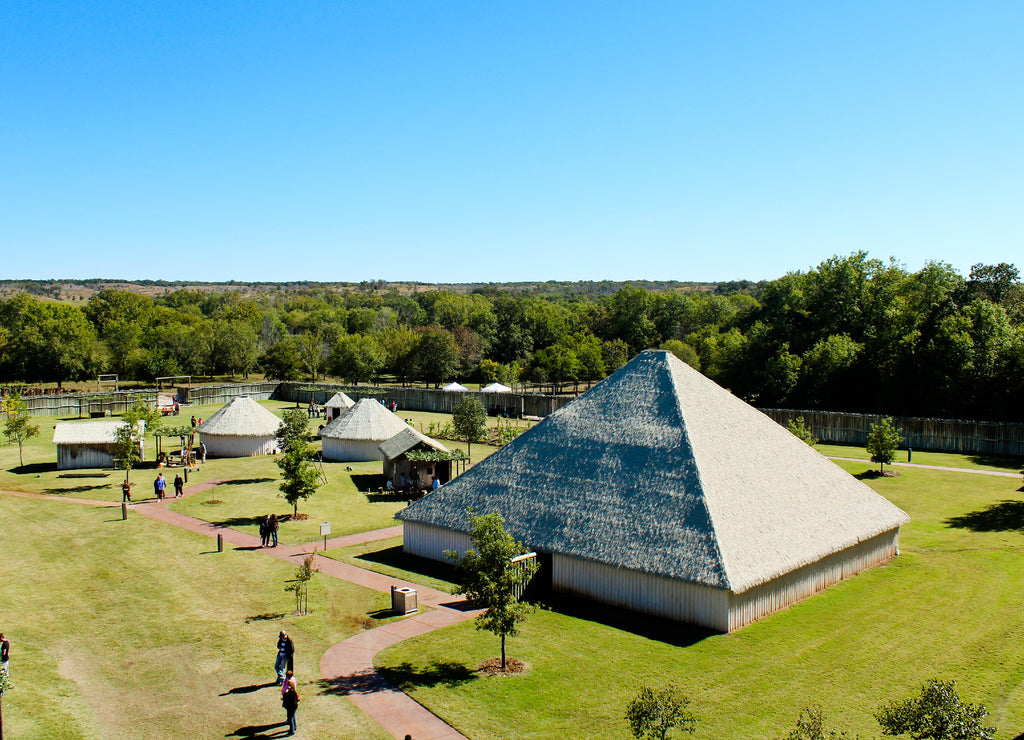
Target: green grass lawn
949,606
386,557
944,459
136,629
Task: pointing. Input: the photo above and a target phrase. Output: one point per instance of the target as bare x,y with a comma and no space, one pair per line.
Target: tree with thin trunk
469,421
300,476
18,426
883,439
128,437
487,575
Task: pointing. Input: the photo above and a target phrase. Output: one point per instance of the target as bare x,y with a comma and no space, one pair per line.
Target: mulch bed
492,667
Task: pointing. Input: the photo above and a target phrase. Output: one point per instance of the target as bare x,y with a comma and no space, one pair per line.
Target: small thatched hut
242,428
356,435
87,444
399,468
661,492
337,405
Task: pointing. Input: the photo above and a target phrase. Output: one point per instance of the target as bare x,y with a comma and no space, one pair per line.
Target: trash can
403,600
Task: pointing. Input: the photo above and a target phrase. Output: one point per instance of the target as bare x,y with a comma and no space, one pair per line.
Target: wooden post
220,543
124,510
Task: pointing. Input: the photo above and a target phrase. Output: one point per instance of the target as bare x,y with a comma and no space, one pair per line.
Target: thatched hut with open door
356,435
337,405
414,457
242,428
661,492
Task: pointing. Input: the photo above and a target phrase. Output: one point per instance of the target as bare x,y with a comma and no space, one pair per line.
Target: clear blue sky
485,141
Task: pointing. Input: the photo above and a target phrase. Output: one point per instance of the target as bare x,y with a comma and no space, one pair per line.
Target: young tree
811,726
653,713
300,477
128,437
883,439
469,421
799,429
18,426
937,713
487,575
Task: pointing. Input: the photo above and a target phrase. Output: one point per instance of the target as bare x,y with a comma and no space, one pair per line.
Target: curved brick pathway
348,664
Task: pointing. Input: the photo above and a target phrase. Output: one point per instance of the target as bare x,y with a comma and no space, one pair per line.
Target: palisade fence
938,435
108,403
427,399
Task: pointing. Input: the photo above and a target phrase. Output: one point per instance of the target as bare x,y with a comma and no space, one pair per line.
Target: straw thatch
339,400
241,417
660,471
406,440
355,435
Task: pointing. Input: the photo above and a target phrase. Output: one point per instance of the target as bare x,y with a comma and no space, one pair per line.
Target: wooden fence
428,399
940,435
83,405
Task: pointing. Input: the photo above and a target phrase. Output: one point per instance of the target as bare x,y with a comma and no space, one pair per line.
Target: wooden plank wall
939,435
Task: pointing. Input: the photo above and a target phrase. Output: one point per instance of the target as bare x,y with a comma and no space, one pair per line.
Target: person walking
265,531
126,491
273,524
179,486
159,485
290,701
5,655
285,655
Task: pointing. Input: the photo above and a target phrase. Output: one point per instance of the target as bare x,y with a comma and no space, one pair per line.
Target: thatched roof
241,417
496,388
456,386
367,420
658,469
88,432
339,401
406,440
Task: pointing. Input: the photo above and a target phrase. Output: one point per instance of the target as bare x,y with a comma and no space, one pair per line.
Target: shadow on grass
1004,516
368,482
238,521
395,557
1008,463
76,489
250,689
246,481
265,617
403,677
34,468
256,732
653,628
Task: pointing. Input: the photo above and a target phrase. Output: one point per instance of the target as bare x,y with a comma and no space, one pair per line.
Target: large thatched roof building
356,435
241,428
662,492
88,444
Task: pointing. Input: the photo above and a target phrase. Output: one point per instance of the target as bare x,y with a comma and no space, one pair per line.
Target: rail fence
1005,439
109,403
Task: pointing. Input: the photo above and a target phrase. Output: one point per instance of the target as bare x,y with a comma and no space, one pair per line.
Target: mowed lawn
132,629
348,499
950,606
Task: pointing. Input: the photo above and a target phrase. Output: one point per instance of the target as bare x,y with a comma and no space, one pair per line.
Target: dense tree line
854,334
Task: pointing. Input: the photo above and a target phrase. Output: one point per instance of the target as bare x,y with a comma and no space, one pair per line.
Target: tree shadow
403,677
1004,516
265,617
251,689
239,521
261,732
996,461
246,481
76,489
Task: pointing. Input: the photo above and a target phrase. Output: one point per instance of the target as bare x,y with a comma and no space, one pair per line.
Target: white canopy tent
455,387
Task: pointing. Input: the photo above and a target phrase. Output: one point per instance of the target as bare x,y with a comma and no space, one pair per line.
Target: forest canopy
853,334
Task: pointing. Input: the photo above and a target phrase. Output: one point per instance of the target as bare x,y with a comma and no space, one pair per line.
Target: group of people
313,411
268,531
159,487
284,666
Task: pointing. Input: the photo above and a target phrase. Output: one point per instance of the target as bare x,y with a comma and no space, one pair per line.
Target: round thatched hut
242,428
356,435
337,405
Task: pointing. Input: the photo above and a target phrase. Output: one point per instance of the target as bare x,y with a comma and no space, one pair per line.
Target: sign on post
325,529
